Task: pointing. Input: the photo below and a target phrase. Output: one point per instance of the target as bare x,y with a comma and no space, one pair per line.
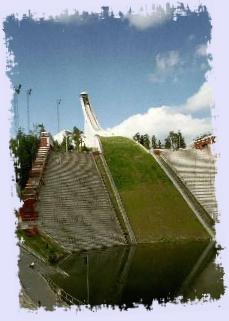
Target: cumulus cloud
143,22
165,64
161,120
202,100
201,50
167,61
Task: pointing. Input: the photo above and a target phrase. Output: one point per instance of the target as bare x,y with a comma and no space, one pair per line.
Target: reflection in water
128,276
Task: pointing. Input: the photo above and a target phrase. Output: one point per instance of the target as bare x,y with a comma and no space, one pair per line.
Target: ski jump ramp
92,129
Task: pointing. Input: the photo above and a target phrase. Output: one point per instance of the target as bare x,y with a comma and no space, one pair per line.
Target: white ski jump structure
92,129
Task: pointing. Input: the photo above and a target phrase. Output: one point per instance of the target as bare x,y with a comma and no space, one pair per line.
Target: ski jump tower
92,128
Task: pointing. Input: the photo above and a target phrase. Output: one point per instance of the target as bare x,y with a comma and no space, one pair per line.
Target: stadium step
74,206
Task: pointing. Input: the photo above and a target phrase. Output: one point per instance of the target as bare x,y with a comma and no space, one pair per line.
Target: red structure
27,212
202,142
157,152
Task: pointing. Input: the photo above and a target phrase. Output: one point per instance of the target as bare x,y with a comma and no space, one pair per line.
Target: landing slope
155,208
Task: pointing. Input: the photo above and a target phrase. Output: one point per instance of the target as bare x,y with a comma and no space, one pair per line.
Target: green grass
110,192
155,208
42,246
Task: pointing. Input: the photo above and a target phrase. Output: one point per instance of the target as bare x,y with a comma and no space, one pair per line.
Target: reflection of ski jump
201,263
91,124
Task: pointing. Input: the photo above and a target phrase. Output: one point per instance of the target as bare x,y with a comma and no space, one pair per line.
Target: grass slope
155,208
42,246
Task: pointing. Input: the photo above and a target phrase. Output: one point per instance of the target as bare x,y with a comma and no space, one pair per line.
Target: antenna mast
28,94
58,114
17,90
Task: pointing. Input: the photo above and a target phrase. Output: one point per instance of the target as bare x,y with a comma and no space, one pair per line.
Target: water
128,276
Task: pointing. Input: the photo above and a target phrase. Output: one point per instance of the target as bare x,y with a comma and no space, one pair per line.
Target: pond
128,276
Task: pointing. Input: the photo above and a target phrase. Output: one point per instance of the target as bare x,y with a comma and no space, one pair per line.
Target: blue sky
128,66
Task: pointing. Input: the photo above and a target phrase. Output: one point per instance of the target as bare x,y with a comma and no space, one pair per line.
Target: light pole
17,91
28,94
58,114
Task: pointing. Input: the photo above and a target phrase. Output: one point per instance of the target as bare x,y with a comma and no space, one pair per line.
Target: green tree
77,139
159,144
146,141
167,143
23,149
56,146
175,140
141,141
137,137
181,140
66,143
37,129
154,141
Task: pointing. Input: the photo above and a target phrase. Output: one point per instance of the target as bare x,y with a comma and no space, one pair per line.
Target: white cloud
161,120
143,22
202,100
167,61
165,65
201,50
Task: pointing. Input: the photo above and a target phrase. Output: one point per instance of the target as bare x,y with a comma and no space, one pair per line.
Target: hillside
155,208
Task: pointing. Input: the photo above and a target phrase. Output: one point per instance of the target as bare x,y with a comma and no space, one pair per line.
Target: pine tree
154,141
167,143
146,141
76,137
137,137
159,144
182,143
174,140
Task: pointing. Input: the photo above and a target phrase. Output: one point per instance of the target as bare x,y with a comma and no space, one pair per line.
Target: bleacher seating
74,206
196,168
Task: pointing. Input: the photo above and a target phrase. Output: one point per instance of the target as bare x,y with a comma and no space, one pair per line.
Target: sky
218,79
144,71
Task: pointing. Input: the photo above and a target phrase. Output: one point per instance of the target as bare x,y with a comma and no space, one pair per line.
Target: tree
23,149
141,141
167,143
66,143
175,140
154,141
146,141
137,137
159,144
37,129
56,146
76,137
181,140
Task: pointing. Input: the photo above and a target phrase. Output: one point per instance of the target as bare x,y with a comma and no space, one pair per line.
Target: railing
62,294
